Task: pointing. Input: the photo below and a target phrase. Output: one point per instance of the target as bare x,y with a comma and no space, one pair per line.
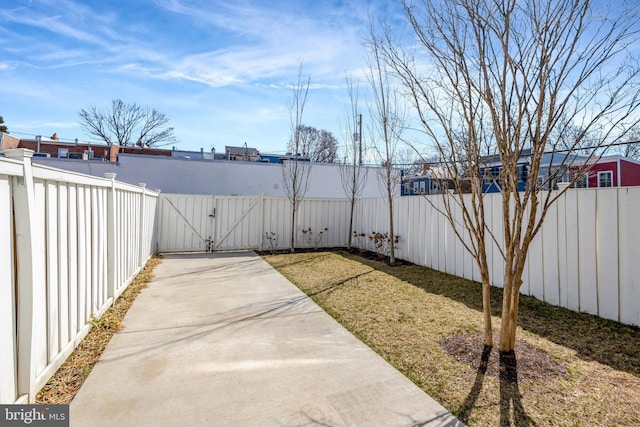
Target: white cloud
56,25
243,55
267,42
243,42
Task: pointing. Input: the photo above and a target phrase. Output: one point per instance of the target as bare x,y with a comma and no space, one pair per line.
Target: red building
56,148
611,171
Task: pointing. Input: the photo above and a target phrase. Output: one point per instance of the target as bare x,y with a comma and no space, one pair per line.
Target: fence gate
209,223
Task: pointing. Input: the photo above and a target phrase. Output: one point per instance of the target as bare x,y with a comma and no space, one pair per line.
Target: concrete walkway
225,340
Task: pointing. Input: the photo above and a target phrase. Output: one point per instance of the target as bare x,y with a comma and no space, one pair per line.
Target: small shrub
359,240
311,238
381,243
270,241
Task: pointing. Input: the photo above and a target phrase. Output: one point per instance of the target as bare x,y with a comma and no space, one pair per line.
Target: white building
201,176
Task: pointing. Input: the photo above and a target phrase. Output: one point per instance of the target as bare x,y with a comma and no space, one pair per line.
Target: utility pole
360,137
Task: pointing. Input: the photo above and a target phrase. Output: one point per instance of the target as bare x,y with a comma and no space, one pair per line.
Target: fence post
141,237
26,256
261,213
111,236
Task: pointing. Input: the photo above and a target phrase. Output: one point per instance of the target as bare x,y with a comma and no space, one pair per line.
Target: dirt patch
530,362
375,256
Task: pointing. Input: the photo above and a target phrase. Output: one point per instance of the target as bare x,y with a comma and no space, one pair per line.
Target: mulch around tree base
529,363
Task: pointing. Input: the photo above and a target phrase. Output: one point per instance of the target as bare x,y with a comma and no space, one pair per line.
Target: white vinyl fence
585,258
69,245
199,223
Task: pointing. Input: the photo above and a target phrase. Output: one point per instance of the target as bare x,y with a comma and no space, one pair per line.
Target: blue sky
221,70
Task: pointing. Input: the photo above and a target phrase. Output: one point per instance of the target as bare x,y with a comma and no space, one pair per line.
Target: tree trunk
481,260
486,301
486,310
392,236
292,243
506,327
511,304
353,204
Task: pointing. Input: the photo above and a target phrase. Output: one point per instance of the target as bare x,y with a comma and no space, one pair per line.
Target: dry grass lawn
65,384
404,313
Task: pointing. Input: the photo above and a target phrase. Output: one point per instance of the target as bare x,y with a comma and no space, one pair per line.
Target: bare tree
295,171
127,124
154,131
631,147
327,149
3,127
509,75
316,145
352,174
388,118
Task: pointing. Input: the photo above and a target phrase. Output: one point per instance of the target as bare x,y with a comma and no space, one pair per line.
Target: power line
567,150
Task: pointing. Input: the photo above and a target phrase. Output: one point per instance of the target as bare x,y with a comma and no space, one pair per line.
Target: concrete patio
225,340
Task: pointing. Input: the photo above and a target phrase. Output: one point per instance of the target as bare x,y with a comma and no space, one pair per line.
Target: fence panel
61,242
583,258
237,223
276,223
587,252
561,261
629,255
571,259
188,222
185,222
39,285
607,267
8,339
329,217
53,263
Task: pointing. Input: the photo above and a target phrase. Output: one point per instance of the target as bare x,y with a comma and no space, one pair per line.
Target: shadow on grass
510,392
593,338
510,397
472,397
338,284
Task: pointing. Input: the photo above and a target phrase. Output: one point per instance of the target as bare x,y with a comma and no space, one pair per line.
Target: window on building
487,178
406,188
583,181
423,187
605,179
416,187
522,173
492,176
